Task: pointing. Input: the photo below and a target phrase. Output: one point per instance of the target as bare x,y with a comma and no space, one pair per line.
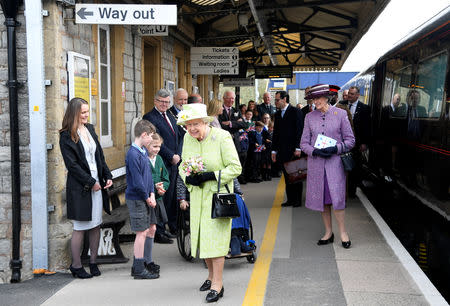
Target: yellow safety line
256,289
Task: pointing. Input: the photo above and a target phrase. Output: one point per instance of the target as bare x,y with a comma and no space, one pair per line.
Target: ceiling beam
267,6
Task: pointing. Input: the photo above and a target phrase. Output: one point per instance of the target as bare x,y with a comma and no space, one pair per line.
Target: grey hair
180,90
227,91
162,93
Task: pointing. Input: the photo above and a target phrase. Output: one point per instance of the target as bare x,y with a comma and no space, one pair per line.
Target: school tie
168,122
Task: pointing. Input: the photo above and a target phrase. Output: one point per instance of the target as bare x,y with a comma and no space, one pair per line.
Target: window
401,85
104,80
430,85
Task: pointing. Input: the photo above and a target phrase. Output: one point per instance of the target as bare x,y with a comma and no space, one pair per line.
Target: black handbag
347,160
224,205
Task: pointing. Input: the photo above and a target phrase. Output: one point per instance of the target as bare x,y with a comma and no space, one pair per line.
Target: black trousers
170,197
354,177
294,192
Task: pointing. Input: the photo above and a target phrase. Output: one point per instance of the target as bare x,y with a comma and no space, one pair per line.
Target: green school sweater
160,174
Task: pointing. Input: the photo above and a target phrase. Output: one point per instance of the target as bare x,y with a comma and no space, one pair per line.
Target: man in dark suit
266,107
170,152
361,123
231,120
287,133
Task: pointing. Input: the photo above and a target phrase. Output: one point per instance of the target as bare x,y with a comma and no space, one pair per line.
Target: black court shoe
94,269
79,272
326,241
346,244
213,295
206,285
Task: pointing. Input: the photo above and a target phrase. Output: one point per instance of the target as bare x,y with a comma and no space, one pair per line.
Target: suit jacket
172,141
361,123
235,125
287,133
305,111
79,179
263,109
174,111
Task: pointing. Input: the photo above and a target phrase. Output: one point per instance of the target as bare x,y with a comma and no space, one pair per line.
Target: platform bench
109,250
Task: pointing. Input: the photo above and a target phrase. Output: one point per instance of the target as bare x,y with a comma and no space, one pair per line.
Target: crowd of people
249,144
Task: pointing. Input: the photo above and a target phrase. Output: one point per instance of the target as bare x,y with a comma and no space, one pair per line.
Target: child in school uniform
140,199
255,150
160,177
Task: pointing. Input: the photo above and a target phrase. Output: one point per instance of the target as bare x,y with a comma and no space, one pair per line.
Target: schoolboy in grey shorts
140,199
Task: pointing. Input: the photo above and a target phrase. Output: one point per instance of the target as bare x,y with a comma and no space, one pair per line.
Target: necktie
167,121
310,108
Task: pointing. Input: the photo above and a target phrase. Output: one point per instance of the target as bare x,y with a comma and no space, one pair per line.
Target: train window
401,82
430,85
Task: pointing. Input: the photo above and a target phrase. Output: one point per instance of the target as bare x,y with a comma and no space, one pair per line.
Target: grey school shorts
141,215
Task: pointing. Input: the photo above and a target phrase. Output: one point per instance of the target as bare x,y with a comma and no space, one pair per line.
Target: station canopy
305,35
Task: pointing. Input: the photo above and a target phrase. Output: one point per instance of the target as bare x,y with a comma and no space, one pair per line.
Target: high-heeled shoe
346,244
206,285
326,241
79,272
213,295
93,268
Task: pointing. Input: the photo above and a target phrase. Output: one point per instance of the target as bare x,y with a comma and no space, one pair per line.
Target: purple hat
320,90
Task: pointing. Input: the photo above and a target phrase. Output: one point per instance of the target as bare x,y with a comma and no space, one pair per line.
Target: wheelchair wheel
184,235
252,258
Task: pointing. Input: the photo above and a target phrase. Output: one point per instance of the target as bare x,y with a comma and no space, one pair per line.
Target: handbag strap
218,183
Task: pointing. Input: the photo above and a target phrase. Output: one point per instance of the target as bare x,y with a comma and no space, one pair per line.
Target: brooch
335,113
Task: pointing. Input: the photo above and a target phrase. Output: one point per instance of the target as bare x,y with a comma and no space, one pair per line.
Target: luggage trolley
244,231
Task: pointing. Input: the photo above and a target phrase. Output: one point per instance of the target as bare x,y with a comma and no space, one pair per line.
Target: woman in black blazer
88,178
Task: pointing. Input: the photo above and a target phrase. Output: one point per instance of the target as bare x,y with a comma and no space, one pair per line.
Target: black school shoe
161,238
146,274
151,267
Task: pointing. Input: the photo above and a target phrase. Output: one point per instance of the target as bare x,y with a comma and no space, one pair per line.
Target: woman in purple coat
325,185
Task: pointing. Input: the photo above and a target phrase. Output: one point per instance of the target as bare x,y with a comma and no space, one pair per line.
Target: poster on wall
79,70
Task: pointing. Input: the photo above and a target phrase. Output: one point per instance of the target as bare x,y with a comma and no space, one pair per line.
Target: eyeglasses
162,101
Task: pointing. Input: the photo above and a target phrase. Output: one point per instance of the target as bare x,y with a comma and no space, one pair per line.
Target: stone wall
130,106
5,154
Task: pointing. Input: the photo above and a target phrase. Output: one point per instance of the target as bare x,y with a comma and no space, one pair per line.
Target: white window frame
105,140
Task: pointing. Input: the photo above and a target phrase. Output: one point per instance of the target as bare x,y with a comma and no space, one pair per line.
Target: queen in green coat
216,148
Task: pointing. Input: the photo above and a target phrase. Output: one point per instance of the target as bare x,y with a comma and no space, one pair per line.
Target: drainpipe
38,129
10,9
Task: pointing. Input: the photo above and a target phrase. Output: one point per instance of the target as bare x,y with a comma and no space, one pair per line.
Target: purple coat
336,126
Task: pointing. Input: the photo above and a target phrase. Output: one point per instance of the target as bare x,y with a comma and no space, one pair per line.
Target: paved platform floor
301,273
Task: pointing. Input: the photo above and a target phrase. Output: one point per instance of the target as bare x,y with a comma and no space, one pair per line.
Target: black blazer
79,179
172,142
287,133
235,125
361,123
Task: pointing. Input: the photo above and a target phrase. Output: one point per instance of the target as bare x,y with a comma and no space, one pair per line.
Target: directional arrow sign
214,60
126,14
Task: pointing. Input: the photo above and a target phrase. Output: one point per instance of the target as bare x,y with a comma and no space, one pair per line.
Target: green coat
211,236
160,174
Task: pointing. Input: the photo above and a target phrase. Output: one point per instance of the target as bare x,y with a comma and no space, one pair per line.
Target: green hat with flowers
192,112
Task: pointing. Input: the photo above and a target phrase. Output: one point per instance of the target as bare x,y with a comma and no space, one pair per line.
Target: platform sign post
215,60
126,14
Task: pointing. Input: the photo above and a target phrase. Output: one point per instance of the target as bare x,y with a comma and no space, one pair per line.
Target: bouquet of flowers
193,165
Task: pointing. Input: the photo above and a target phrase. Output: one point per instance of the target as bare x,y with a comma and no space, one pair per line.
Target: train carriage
407,171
